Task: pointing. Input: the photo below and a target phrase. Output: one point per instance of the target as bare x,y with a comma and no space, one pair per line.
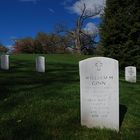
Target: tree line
51,44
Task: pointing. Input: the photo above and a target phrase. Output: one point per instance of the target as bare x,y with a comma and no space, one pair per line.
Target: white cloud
91,29
8,46
91,5
51,10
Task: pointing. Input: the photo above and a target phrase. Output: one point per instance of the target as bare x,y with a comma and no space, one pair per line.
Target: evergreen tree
120,31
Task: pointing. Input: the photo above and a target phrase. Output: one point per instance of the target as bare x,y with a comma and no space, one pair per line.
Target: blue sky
24,18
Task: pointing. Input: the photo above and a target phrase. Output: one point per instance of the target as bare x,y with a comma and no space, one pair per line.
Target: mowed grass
46,106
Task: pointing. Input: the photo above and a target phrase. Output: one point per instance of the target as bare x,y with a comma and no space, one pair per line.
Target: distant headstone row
40,63
130,71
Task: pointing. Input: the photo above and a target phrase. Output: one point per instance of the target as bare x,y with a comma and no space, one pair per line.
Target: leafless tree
76,33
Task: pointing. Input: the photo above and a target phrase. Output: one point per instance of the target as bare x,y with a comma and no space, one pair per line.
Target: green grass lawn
46,106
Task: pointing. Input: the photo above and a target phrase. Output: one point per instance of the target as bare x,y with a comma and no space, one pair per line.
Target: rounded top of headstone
98,58
5,55
130,67
41,57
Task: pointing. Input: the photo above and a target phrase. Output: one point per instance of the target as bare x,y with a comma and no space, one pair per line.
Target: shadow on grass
22,130
123,110
23,77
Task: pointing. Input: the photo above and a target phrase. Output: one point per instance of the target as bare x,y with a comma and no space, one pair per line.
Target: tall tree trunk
78,44
77,36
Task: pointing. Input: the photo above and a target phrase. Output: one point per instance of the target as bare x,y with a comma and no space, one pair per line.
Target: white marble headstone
40,64
5,62
99,92
130,74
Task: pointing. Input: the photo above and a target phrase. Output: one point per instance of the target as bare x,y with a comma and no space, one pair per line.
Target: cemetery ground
46,106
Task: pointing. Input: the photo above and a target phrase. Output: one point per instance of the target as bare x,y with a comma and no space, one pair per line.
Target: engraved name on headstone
40,64
5,62
130,74
99,92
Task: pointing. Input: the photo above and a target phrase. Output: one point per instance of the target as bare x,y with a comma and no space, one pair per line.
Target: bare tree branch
77,33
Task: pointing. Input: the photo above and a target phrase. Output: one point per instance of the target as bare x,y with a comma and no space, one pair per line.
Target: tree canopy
120,31
42,43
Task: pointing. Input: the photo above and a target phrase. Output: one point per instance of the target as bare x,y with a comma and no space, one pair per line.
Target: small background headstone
130,74
40,64
5,62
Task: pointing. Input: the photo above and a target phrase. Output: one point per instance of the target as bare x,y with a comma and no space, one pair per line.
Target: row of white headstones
99,89
40,63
